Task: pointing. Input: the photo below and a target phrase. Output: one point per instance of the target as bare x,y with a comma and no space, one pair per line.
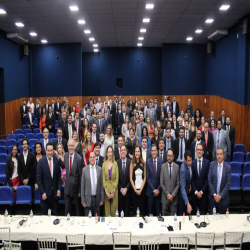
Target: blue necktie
199,168
93,179
170,172
218,179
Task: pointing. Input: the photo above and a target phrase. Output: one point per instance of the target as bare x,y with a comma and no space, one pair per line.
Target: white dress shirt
91,178
52,166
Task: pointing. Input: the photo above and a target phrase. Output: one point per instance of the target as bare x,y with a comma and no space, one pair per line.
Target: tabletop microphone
56,221
204,223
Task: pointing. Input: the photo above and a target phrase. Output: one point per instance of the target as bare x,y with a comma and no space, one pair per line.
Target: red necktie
70,164
50,166
206,138
155,166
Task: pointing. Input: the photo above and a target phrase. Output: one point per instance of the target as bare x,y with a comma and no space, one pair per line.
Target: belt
93,196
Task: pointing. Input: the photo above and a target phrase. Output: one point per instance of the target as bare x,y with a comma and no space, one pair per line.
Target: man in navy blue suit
121,118
49,180
57,108
153,179
45,139
195,143
184,205
219,181
200,169
29,119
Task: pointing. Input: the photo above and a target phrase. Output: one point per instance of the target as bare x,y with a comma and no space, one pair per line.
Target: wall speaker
119,83
209,47
245,26
25,50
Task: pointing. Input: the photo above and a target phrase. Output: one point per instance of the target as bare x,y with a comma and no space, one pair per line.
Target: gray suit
224,143
152,115
101,129
139,129
73,183
86,191
169,187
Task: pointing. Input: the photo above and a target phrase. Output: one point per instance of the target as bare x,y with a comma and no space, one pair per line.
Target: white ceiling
116,23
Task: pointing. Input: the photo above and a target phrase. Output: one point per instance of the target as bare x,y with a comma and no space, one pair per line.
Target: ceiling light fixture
96,50
146,20
143,30
91,39
73,8
150,6
189,38
44,41
19,24
95,45
2,11
33,33
224,7
209,20
139,44
87,31
198,31
81,21
140,38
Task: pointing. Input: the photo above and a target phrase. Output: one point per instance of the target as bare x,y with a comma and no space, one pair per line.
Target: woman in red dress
87,148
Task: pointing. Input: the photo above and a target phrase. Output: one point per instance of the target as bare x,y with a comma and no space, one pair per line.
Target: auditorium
124,124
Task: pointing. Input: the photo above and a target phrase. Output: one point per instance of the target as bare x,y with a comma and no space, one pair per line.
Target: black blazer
46,106
176,108
64,143
210,144
100,161
79,126
124,180
9,170
50,121
192,149
231,134
57,109
117,155
120,119
220,119
164,155
158,113
66,131
176,148
25,171
22,112
61,124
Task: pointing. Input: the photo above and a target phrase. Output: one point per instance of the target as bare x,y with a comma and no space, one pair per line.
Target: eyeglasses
198,149
170,156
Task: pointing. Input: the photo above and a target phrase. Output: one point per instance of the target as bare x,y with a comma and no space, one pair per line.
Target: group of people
166,161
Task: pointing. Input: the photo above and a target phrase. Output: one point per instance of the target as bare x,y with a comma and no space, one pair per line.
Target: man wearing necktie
98,158
92,192
60,140
170,184
219,182
195,143
162,153
180,145
23,112
207,137
45,140
29,119
200,169
50,121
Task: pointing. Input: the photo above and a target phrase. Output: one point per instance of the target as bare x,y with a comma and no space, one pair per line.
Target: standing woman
60,152
163,120
12,170
110,175
38,154
160,130
78,145
156,138
145,133
125,126
202,124
131,142
42,123
84,129
150,127
109,138
138,180
137,120
192,125
73,113
88,146
197,117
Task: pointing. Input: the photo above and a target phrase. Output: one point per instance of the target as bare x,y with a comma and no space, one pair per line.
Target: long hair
86,141
60,144
111,130
77,139
39,143
11,155
141,161
106,154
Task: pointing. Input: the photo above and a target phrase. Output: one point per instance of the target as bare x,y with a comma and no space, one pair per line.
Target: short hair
153,145
182,128
168,128
94,124
45,129
220,148
170,149
161,140
119,137
186,154
25,139
199,144
69,115
123,145
49,144
228,117
198,130
59,128
144,138
97,144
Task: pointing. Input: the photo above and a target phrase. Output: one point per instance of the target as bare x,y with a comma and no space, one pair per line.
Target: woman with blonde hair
61,153
150,127
78,146
88,146
109,138
110,175
125,126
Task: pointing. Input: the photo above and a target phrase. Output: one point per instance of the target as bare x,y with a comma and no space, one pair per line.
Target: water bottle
214,213
96,218
68,217
138,213
31,215
198,216
49,213
5,216
122,214
183,218
175,222
116,213
227,213
90,216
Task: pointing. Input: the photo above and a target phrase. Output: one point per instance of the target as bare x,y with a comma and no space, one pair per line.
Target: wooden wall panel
2,115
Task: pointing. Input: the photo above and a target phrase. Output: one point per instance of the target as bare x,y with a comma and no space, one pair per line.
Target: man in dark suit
146,154
160,110
98,158
124,182
49,180
180,146
107,117
77,123
101,124
184,205
72,191
153,190
45,139
117,151
200,169
29,119
63,122
95,134
64,101
117,114
189,135
57,108
60,140
50,121
212,118
46,106
207,137
113,111
26,163
168,107
122,117
68,129
52,105
222,118
231,132
195,143
162,153
23,112
189,106
219,182
175,107
168,140
67,106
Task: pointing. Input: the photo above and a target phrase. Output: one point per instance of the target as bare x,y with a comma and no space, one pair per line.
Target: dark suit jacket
200,183
58,109
108,121
176,148
44,149
64,143
220,119
164,155
225,182
158,113
185,182
100,161
116,153
210,144
22,112
231,134
69,109
79,126
170,109
192,149
66,132
61,124
46,106
27,118
38,112
9,170
152,179
50,121
103,126
45,182
113,108
25,171
176,108
124,180
120,119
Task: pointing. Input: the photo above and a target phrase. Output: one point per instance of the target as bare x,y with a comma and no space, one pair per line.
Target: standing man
146,154
23,112
169,142
219,182
104,144
222,118
153,191
195,143
29,119
45,139
57,108
98,158
189,106
95,135
77,123
124,182
101,123
170,184
49,180
60,140
200,169
207,137
121,118
175,107
50,121
92,192
68,129
117,151
139,127
162,153
180,145
46,106
151,113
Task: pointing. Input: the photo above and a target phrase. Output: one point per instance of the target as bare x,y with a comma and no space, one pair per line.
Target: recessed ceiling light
2,11
44,41
33,33
96,50
189,38
224,7
73,8
81,21
198,31
91,39
87,31
209,20
19,24
139,44
140,38
149,6
146,20
143,30
95,45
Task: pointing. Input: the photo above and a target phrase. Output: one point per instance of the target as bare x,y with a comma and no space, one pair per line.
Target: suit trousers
68,204
154,202
51,202
124,204
181,208
169,209
219,209
95,208
200,203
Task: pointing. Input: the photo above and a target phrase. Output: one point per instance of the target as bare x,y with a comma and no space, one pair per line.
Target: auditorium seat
18,131
239,157
27,131
19,136
2,150
10,142
3,158
30,136
20,150
36,131
61,199
52,140
3,180
37,196
248,157
235,192
32,142
246,169
23,195
3,143
6,194
51,135
19,143
239,148
24,127
32,149
9,150
246,191
11,136
2,168
236,168
39,136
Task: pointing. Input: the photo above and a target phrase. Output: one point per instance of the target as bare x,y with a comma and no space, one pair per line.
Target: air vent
218,34
17,38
